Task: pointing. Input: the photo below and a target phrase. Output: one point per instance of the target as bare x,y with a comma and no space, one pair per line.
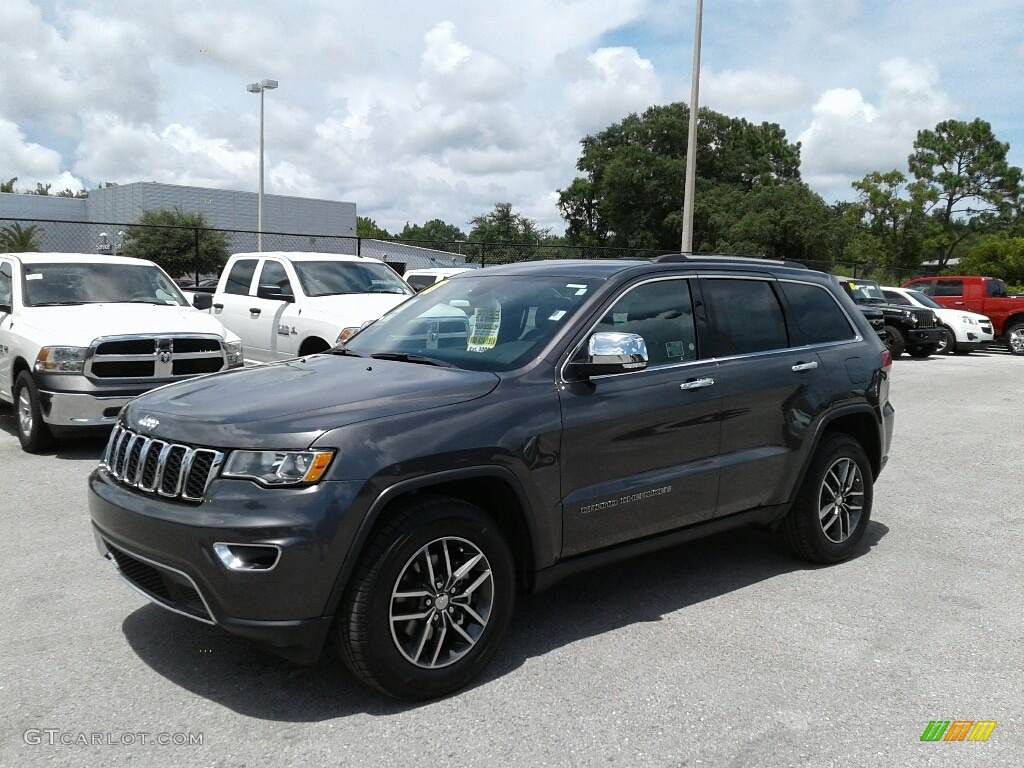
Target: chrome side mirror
613,352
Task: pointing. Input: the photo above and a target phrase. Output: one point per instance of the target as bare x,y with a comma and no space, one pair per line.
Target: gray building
96,223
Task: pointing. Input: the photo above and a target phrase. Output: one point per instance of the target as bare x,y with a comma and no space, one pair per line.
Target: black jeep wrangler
914,330
497,431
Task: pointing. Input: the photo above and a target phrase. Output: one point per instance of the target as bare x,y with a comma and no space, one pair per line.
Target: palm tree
15,238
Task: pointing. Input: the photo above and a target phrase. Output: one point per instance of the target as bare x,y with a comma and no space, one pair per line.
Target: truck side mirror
202,301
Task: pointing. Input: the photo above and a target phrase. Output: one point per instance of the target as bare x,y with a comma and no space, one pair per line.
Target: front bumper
925,335
165,550
68,409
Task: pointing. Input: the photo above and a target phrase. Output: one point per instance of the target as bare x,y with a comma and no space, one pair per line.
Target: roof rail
675,257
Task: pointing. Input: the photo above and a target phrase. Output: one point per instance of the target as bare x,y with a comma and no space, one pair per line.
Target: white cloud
849,137
32,163
614,83
742,92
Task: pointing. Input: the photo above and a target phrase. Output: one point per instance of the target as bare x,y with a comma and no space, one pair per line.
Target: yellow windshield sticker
485,330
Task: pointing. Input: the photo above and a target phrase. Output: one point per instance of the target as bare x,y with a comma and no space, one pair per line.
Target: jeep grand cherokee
498,431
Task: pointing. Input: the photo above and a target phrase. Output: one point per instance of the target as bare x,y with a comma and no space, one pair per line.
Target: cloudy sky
422,109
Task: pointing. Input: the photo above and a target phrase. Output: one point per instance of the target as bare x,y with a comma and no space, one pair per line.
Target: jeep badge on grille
149,422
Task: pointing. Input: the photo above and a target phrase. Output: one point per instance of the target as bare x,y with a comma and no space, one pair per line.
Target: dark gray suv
492,434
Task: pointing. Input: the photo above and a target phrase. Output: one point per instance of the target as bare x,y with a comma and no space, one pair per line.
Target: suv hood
287,405
78,326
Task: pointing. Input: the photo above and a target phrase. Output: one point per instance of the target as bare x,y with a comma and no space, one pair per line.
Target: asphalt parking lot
723,652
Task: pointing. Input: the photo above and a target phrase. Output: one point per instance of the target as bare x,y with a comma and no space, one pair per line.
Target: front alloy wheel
430,599
441,602
1015,339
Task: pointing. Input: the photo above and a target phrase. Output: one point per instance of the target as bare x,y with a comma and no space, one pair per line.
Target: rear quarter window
818,317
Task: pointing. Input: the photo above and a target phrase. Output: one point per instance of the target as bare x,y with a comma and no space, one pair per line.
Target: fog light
248,557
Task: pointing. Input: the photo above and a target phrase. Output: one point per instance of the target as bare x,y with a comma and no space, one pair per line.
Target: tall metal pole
259,217
691,140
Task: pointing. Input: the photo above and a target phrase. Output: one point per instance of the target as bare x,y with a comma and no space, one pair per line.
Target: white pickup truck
81,335
286,304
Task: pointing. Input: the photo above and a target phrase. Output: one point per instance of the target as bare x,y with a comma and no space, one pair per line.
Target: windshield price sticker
485,330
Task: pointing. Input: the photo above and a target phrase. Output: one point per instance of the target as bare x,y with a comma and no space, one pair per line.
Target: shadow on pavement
243,677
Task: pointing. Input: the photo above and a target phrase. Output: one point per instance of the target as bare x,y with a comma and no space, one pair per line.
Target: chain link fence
187,242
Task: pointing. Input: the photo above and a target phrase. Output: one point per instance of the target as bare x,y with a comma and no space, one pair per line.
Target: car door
233,307
639,449
6,322
269,313
772,392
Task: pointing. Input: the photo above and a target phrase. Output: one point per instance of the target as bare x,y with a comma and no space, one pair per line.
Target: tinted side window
927,287
746,317
817,314
419,282
897,298
949,288
274,276
240,277
662,313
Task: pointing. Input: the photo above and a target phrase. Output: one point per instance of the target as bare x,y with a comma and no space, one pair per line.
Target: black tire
948,344
1015,339
821,539
895,341
33,432
925,350
412,659
313,346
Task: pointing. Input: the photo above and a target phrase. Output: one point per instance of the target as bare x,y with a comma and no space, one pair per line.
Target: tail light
886,360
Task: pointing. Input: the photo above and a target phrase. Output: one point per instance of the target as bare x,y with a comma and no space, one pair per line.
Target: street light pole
260,87
691,140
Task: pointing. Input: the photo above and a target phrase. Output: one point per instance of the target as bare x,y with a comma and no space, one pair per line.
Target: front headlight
910,316
233,350
278,467
61,360
968,320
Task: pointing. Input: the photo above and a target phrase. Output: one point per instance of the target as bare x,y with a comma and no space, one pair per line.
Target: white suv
964,331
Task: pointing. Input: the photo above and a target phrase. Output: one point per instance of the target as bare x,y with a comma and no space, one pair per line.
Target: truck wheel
429,600
34,434
947,345
833,507
894,341
1015,339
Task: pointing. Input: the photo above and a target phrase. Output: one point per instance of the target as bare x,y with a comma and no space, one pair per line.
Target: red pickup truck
986,295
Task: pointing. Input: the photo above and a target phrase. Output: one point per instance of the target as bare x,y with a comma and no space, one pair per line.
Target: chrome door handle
697,383
254,310
805,366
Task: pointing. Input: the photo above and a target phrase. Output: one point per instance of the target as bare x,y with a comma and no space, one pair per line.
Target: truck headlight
910,316
61,360
278,467
233,351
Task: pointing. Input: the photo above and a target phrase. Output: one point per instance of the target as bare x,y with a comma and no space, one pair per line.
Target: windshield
330,278
478,322
49,285
866,292
923,300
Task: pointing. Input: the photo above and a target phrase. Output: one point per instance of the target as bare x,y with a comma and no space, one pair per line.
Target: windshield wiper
342,350
59,303
405,357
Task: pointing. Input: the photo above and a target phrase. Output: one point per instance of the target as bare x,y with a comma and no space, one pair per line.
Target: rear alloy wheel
1015,339
34,434
894,341
947,344
430,600
832,510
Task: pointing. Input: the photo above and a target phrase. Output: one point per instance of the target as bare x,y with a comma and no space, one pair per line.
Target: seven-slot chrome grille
157,466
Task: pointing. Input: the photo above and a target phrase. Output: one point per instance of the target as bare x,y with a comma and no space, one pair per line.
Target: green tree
168,238
41,189
8,186
893,212
434,231
972,185
631,190
15,238
67,192
368,228
504,235
995,256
